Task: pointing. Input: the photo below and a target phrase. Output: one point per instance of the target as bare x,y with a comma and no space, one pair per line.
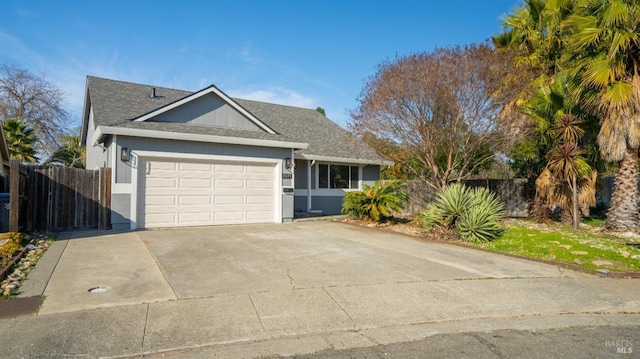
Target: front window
338,176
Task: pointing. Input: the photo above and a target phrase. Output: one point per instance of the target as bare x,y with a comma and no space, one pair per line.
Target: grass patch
587,247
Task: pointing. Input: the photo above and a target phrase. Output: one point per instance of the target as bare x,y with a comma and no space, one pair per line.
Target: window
338,176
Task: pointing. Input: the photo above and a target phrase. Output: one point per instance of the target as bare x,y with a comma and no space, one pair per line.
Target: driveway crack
342,308
289,274
146,321
256,310
491,347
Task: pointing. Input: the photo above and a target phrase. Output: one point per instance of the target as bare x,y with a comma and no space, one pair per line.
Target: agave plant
474,213
376,203
449,205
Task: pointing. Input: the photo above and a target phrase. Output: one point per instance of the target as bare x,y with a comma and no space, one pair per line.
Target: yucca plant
481,222
474,212
376,203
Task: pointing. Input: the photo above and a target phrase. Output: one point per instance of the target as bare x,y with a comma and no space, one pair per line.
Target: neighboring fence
44,198
516,193
513,192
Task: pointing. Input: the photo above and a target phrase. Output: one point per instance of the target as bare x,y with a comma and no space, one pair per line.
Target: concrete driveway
186,288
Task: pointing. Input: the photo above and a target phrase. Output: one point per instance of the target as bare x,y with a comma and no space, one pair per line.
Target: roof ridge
146,85
192,92
274,104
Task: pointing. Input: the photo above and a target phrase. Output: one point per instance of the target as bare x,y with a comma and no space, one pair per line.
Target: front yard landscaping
19,253
588,248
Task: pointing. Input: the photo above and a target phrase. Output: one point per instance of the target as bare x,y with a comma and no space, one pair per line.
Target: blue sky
300,53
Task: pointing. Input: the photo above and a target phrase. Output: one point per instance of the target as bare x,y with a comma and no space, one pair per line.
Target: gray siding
120,211
301,174
328,204
208,110
96,156
300,203
370,174
123,170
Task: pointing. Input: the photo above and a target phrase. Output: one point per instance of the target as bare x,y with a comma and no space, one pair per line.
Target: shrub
14,243
474,213
376,203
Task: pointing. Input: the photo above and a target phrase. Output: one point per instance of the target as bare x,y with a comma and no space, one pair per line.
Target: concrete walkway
249,291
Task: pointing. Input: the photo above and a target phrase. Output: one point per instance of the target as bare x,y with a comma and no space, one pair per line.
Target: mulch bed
19,306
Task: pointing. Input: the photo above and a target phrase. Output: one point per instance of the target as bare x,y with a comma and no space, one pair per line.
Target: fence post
14,196
105,198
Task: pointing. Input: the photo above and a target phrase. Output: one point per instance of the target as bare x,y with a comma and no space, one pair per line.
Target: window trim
317,177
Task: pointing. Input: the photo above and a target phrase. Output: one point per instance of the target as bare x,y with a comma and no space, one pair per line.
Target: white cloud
278,95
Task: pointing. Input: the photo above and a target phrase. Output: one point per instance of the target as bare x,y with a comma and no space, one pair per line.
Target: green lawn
560,243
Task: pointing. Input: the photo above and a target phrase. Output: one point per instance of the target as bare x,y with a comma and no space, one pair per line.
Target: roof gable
208,110
194,97
124,108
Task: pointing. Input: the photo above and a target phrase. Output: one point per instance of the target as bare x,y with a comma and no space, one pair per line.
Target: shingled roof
118,103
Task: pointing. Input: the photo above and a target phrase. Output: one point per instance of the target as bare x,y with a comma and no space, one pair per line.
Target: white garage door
189,193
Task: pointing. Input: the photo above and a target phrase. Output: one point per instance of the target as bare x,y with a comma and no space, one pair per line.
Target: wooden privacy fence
514,193
44,198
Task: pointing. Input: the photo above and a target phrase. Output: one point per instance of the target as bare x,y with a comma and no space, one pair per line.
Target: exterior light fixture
289,163
125,154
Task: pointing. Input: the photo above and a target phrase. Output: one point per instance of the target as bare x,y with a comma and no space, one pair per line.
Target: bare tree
34,101
441,107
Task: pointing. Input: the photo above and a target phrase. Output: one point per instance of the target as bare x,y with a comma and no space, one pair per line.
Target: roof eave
181,136
357,161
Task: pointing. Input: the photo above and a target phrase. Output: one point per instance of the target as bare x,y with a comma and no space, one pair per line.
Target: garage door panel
259,215
196,167
229,200
187,193
194,217
229,216
229,168
200,183
255,184
229,183
152,219
156,200
259,169
160,182
260,200
190,200
156,166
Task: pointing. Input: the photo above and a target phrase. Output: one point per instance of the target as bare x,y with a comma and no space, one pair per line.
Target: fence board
46,198
14,196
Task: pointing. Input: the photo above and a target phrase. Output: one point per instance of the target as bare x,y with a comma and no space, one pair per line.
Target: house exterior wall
300,203
327,204
370,174
301,174
123,170
122,189
208,110
96,156
329,201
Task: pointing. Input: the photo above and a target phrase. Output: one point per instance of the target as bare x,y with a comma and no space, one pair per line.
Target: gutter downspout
309,165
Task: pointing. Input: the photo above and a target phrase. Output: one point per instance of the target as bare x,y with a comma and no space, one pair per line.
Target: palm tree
560,124
603,54
70,154
20,140
535,31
